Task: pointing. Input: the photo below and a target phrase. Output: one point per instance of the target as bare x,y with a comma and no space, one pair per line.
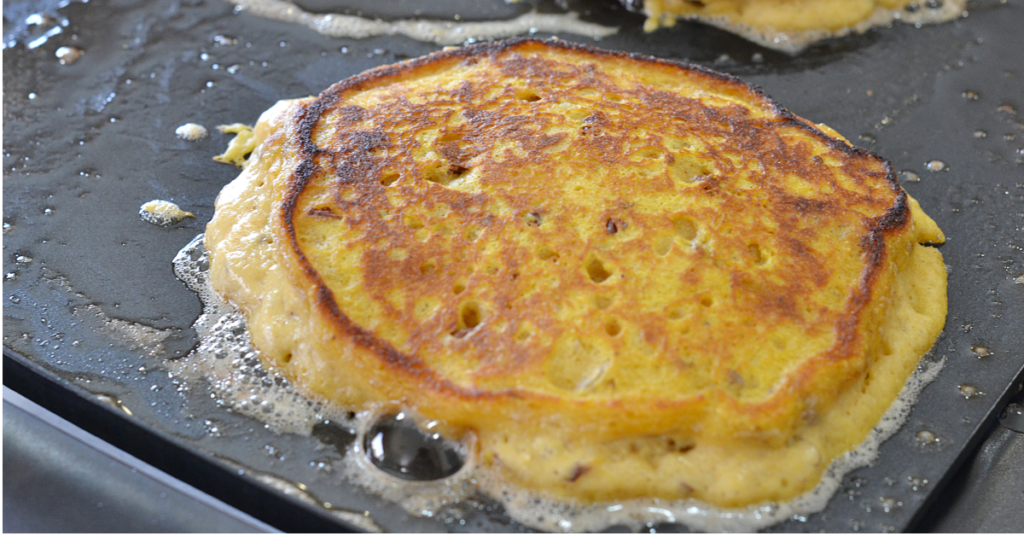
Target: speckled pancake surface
626,277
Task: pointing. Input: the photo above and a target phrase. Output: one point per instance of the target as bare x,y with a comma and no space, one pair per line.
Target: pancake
791,25
597,264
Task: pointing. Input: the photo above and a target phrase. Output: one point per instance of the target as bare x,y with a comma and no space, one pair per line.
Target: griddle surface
86,144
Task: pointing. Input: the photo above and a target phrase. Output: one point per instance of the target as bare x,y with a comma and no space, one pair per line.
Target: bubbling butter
162,213
191,132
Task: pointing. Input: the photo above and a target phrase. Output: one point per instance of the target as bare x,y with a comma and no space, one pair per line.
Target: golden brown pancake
628,277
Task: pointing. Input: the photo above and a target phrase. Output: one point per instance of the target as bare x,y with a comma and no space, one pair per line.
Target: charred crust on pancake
873,245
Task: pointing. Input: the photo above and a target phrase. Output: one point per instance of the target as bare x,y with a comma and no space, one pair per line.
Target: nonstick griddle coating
89,148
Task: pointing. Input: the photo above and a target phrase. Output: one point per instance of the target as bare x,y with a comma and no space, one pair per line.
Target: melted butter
226,358
440,32
300,492
191,132
162,213
132,335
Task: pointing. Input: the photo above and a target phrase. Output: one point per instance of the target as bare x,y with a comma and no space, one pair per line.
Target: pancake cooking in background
791,25
626,277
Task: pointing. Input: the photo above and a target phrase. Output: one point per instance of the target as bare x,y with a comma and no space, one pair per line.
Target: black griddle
86,144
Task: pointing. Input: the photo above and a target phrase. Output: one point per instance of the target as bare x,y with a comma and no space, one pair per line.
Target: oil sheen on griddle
399,458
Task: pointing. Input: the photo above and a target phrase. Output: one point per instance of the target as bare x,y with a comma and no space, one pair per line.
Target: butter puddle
430,31
132,335
300,492
226,359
